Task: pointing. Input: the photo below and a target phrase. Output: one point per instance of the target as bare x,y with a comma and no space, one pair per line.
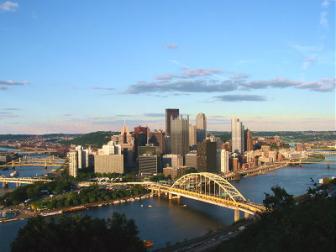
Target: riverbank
26,214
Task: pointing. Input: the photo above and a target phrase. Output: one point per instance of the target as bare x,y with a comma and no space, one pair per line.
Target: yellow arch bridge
209,188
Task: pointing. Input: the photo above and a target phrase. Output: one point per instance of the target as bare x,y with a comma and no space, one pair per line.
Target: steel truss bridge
46,162
205,187
23,180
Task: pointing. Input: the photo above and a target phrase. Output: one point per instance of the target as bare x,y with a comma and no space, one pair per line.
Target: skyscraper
170,114
180,135
248,140
237,131
207,156
201,126
223,158
192,135
73,163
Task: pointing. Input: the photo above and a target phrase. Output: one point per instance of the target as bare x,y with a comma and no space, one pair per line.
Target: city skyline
81,67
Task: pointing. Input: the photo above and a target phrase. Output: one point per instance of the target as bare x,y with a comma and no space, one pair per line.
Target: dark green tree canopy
75,233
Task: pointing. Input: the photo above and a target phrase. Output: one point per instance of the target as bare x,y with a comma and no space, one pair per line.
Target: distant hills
96,139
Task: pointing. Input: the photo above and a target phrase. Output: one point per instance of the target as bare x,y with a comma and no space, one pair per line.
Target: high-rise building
223,158
207,156
173,160
126,141
80,157
111,148
192,135
148,160
113,163
157,138
248,140
170,115
201,127
180,135
237,131
191,159
73,163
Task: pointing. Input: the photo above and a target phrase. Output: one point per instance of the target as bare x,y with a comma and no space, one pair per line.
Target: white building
223,158
111,148
73,163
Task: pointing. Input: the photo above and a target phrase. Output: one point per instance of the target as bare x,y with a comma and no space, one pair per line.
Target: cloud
238,98
103,88
5,84
172,46
11,109
8,6
189,85
192,86
199,72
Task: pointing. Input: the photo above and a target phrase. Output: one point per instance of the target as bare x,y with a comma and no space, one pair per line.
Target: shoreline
77,208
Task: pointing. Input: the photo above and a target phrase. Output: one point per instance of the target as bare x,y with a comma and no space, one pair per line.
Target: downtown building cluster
177,149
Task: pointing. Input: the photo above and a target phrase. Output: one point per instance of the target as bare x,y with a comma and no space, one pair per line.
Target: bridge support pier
246,215
4,185
236,215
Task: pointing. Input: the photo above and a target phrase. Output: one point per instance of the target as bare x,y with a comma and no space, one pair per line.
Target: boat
14,174
148,244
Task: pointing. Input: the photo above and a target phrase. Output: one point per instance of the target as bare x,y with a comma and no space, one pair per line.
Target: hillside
96,139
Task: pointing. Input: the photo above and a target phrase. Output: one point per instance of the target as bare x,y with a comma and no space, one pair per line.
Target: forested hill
96,139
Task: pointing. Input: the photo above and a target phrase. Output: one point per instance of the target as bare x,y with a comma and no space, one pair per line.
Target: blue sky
81,66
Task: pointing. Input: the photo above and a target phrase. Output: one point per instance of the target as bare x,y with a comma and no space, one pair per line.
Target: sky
81,66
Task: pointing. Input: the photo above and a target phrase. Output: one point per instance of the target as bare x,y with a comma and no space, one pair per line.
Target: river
169,222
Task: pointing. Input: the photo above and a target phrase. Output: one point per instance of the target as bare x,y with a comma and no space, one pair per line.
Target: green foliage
35,191
309,225
88,195
96,139
73,233
279,200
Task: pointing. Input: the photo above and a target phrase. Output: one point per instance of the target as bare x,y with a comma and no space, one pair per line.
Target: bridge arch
209,183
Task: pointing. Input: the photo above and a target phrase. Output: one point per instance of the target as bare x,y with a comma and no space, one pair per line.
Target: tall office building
207,156
180,135
170,114
191,159
223,158
192,135
80,157
113,163
237,131
73,163
111,148
157,138
248,140
201,127
148,161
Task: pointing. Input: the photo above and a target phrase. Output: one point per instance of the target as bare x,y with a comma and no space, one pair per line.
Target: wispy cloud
169,83
239,98
8,6
5,84
103,88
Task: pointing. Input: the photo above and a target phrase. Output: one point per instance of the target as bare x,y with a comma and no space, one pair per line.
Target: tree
74,233
280,199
